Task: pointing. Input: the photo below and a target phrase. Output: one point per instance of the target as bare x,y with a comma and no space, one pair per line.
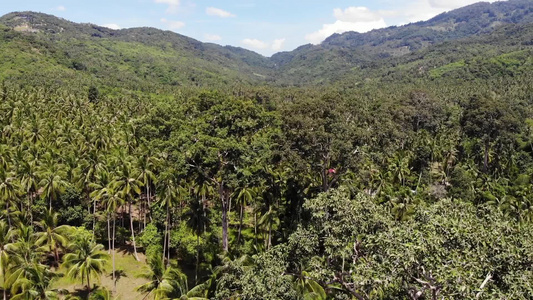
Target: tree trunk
224,222
240,224
324,175
255,228
8,214
94,214
168,241
486,157
147,202
149,205
88,286
122,215
113,246
30,209
108,235
166,236
133,234
56,256
269,236
197,259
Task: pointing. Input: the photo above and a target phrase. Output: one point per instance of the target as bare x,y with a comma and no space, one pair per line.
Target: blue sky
266,26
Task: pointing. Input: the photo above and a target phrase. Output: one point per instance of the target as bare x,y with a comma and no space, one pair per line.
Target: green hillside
39,45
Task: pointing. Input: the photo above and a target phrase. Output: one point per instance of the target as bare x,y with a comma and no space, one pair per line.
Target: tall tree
197,219
112,202
52,182
127,184
489,120
52,234
6,235
9,190
85,261
169,196
163,282
225,138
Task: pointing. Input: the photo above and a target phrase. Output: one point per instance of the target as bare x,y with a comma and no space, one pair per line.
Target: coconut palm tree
9,190
163,282
28,172
26,255
52,182
6,234
85,261
244,196
35,284
269,220
112,201
51,234
127,184
24,248
146,165
99,192
169,196
197,219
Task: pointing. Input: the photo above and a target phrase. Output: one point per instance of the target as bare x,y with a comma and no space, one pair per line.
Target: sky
266,26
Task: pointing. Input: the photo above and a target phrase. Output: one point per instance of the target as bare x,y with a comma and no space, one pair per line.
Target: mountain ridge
181,60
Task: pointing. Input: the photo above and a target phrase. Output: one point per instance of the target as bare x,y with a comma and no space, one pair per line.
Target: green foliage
151,240
406,175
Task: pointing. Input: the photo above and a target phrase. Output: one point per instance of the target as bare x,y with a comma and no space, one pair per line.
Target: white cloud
173,5
359,19
451,4
422,10
112,26
213,11
362,19
255,43
173,25
212,37
356,14
61,8
278,44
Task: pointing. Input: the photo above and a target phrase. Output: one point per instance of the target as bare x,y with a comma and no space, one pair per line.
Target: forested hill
140,58
338,54
137,57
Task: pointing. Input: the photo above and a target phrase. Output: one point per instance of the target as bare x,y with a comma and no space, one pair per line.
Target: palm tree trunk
486,157
224,223
197,259
133,234
147,202
168,241
8,214
269,236
113,246
108,235
30,209
94,214
56,256
149,205
88,286
255,228
166,236
240,223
